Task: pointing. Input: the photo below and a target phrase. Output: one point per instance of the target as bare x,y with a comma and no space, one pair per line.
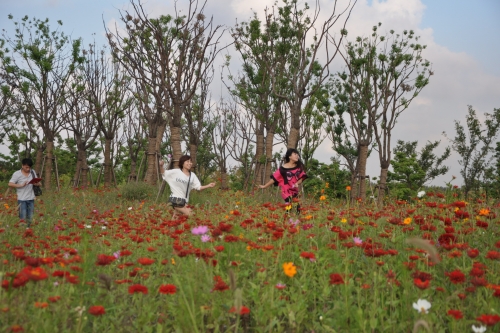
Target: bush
138,191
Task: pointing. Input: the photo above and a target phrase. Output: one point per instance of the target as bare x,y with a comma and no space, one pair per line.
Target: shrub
138,191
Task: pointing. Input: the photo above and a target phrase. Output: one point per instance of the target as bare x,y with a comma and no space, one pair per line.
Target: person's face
187,165
294,157
26,168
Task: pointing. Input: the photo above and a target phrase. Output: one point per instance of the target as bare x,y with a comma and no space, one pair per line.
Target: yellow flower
288,207
241,236
289,269
321,198
249,248
456,208
327,185
343,220
173,261
6,206
407,220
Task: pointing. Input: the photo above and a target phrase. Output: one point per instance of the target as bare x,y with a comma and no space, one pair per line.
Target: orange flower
41,305
321,198
290,269
484,212
347,188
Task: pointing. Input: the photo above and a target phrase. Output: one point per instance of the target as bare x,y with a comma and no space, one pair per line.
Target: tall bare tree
177,50
297,42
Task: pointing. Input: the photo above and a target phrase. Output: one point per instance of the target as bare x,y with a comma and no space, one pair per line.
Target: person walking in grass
181,182
25,196
288,177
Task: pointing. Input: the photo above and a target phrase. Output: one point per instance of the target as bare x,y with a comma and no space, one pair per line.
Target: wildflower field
95,262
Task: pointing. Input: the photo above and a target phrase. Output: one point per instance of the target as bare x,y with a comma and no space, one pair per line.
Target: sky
462,38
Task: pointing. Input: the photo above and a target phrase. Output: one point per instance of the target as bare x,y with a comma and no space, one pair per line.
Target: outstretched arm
266,185
206,186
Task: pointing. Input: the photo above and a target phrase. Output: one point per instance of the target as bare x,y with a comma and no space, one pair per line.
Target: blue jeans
26,209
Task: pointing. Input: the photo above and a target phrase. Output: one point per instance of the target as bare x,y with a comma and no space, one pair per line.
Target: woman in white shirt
178,180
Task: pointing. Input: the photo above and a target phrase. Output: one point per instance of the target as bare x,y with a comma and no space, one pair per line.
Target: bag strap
187,189
33,174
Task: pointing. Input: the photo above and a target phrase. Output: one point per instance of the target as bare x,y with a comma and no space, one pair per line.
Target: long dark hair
289,153
299,163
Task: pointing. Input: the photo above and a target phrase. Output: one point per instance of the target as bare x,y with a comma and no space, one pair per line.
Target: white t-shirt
26,192
177,181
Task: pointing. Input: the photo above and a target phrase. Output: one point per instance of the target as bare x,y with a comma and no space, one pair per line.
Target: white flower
480,329
88,226
130,208
422,305
420,194
103,227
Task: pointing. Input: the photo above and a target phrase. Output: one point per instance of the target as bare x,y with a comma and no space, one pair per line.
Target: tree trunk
293,138
84,169
48,165
107,163
363,157
384,168
39,159
175,132
223,179
160,131
269,155
259,155
193,151
133,168
76,174
151,177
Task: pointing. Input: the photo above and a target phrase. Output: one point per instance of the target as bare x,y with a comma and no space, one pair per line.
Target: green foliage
138,191
474,145
320,174
411,170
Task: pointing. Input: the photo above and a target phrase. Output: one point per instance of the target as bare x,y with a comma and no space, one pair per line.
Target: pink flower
200,230
357,241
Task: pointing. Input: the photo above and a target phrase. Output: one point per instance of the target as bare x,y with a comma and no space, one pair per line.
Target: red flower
457,314
219,248
167,289
308,255
456,276
97,310
489,320
34,274
243,310
103,260
137,288
472,253
447,239
493,255
421,284
479,281
54,299
145,261
336,278
220,285
16,328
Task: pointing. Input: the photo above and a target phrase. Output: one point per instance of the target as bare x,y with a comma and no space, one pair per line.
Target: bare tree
177,50
296,40
108,98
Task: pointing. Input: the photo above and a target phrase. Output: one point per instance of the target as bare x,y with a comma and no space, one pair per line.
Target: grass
340,285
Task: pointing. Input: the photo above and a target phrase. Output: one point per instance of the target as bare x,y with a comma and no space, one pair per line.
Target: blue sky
463,39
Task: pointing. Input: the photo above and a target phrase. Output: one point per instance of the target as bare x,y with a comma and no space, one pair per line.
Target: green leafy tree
411,169
474,145
39,65
326,179
383,75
